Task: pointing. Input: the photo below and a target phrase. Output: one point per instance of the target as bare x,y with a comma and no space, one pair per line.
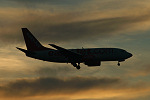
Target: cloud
66,26
66,21
51,2
56,71
72,31
93,29
76,88
51,5
53,86
139,71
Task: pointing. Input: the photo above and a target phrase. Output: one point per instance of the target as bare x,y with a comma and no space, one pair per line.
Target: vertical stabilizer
32,43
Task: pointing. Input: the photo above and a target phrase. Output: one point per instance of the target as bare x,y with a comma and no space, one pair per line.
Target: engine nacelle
92,63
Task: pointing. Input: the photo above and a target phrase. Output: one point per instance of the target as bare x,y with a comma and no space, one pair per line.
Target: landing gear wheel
78,67
118,64
74,64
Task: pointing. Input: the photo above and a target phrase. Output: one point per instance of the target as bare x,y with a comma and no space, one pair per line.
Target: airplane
88,56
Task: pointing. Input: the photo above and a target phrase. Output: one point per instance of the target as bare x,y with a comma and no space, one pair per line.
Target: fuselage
95,54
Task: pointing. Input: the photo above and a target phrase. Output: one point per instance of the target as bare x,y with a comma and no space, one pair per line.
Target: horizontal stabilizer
25,51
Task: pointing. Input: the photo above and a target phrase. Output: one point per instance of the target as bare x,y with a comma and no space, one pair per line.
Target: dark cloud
57,86
74,31
64,27
55,71
86,30
34,4
53,2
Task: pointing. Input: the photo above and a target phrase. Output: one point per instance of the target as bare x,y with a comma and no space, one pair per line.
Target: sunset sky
75,24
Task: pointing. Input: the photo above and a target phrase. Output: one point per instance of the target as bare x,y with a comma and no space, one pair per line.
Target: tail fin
32,43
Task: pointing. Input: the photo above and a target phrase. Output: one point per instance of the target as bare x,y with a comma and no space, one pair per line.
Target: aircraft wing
67,53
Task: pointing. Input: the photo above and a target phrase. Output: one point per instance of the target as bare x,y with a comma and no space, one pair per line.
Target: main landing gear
76,65
118,63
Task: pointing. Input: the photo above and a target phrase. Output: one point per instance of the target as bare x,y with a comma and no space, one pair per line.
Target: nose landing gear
78,67
118,63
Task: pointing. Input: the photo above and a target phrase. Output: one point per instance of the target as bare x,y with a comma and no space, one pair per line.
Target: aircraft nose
130,55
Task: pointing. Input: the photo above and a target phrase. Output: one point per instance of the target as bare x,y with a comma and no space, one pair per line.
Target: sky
75,24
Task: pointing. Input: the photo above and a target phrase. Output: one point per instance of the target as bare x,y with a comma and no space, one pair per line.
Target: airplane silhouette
88,56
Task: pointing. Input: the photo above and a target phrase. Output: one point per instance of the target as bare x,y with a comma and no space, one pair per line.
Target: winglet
66,52
57,47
